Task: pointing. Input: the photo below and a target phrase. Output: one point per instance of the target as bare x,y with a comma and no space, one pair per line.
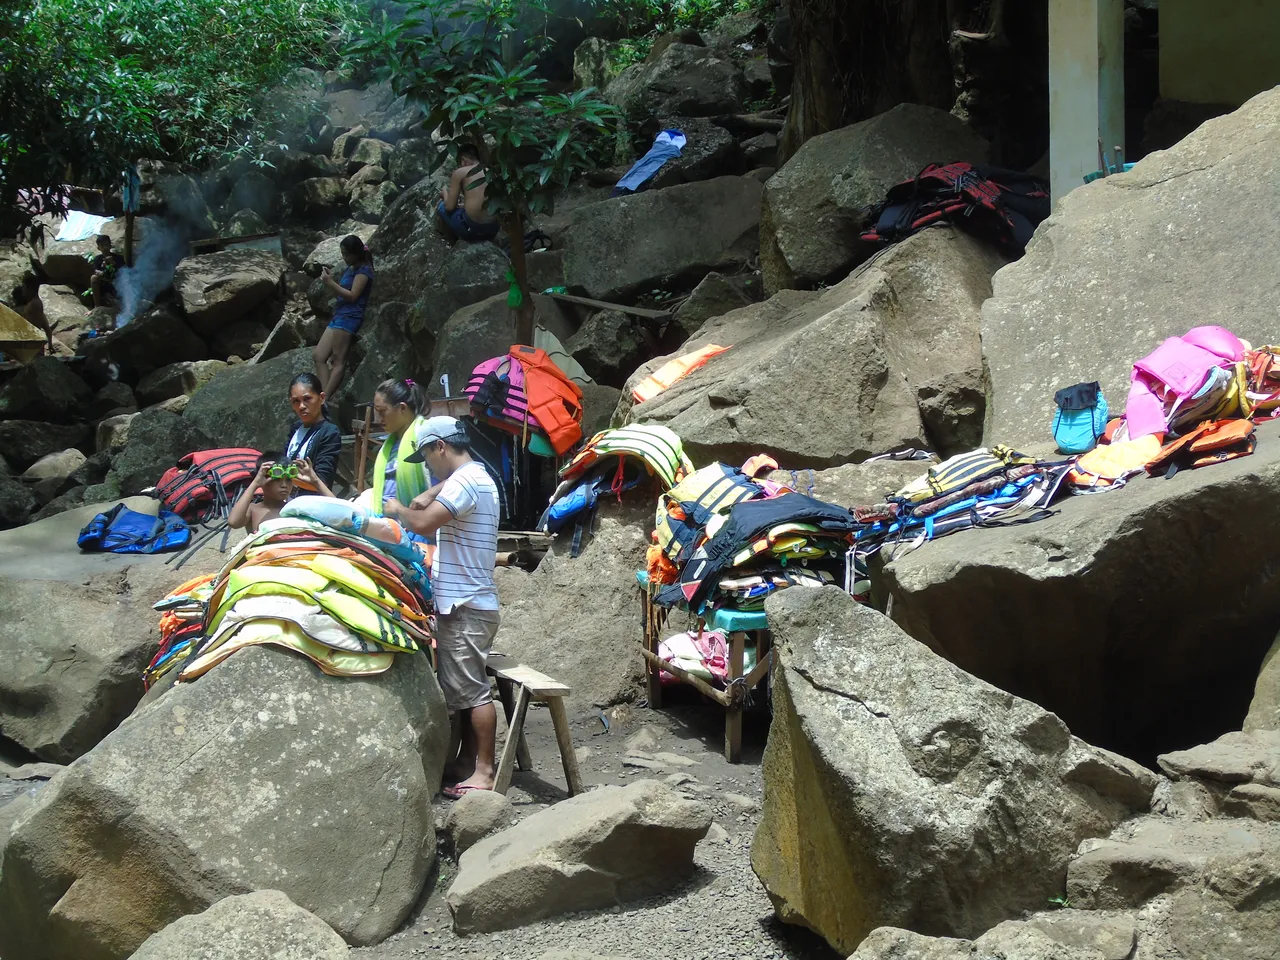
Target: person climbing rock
462,511
352,291
461,213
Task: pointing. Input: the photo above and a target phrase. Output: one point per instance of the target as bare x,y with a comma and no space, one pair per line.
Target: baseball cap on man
435,430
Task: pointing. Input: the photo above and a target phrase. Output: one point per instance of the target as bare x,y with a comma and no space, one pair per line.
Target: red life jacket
555,401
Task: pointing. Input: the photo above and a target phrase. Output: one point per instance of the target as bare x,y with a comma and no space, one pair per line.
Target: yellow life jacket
1112,464
283,633
673,370
656,446
961,470
684,510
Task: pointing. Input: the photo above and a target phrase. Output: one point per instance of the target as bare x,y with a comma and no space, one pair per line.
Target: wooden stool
518,686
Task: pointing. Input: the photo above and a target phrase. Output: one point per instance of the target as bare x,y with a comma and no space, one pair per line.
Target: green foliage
87,87
472,63
643,21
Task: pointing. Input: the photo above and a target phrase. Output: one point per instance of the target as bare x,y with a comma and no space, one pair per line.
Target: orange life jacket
555,401
673,370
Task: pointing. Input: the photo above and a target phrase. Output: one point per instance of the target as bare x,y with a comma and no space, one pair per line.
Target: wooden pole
128,238
719,696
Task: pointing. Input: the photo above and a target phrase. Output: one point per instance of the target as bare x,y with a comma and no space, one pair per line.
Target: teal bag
1081,417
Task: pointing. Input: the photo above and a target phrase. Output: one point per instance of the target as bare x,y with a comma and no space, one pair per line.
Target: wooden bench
519,686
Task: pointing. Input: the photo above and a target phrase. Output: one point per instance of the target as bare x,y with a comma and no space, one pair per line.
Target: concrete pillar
1086,87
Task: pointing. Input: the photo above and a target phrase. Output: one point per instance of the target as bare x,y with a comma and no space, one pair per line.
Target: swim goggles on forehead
281,471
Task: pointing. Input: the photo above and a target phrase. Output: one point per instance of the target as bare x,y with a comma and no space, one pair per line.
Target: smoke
162,248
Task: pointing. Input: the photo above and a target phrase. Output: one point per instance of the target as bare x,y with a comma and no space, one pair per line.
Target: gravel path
722,911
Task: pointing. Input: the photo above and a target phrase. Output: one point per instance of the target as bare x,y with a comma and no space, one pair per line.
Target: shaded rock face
146,343
814,207
620,246
388,355
981,601
683,81
889,358
714,296
45,389
256,926
1120,266
26,441
577,619
253,791
597,849
247,405
479,332
901,791
609,347
1264,709
219,288
156,440
177,380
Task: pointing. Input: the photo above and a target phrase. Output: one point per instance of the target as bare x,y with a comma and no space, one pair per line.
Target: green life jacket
411,478
656,446
712,489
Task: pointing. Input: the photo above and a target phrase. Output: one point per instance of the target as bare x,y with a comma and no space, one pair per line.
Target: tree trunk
514,228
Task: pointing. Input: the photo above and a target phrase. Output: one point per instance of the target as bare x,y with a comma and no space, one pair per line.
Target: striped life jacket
673,370
283,633
658,447
496,390
683,511
959,471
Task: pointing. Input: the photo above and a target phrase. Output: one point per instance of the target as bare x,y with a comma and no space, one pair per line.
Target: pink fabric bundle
1173,372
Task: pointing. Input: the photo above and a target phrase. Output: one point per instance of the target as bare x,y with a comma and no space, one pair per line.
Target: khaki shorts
463,640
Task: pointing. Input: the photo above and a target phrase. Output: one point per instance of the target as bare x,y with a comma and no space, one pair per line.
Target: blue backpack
1081,417
121,530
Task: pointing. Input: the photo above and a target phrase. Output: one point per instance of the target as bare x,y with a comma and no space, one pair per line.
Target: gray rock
247,405
243,338
680,234
1110,933
598,404
1254,801
475,816
217,289
892,943
1119,267
371,201
761,151
156,440
26,441
344,144
244,223
15,268
814,206
960,594
1235,757
367,175
714,296
254,790
266,925
111,435
112,400
67,262
891,359
1264,709
93,470
478,332
147,342
757,77
592,65
930,799
388,354
711,151
289,333
608,846
168,191
177,380
412,160
64,310
44,388
254,190
609,347
683,81
17,502
368,152
1152,856
296,244
320,197
57,466
396,121
576,618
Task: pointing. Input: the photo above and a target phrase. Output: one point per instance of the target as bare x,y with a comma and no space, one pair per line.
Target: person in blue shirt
352,292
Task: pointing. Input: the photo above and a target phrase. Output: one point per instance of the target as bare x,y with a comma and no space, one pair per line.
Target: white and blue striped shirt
467,546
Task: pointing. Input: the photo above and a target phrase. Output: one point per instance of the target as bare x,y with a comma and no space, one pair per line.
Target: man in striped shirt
462,511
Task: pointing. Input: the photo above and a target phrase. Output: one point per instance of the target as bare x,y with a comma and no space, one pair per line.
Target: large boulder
901,791
1264,708
76,632
254,190
17,502
1122,580
156,338
255,926
683,81
368,152
45,388
264,774
15,269
887,359
247,405
370,201
621,246
1037,939
177,380
217,289
478,332
1120,266
598,849
714,296
167,190
815,206
710,151
157,439
26,441
320,198
577,619
609,346
64,310
67,262
412,160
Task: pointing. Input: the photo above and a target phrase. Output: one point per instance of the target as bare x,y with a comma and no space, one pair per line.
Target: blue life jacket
121,530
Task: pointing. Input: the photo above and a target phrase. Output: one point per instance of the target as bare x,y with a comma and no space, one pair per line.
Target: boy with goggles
274,480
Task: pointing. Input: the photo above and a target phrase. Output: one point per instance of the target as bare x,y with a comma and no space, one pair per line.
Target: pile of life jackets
349,603
1193,401
525,394
612,463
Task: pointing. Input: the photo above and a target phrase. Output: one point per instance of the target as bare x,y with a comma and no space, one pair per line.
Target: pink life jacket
1173,372
496,400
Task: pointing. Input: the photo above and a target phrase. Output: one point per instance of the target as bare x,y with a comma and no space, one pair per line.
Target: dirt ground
722,911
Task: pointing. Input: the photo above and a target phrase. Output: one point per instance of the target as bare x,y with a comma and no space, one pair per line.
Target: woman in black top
313,437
